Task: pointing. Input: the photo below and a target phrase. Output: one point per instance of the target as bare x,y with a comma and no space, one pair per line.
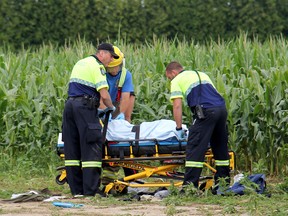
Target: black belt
87,100
78,98
194,111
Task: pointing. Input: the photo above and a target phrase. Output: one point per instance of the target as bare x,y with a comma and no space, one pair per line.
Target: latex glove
181,134
110,114
113,108
101,113
121,116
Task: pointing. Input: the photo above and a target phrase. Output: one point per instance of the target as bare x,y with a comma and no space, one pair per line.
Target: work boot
101,193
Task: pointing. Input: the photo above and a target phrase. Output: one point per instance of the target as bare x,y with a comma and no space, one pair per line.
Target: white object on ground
238,177
53,198
136,190
13,196
162,194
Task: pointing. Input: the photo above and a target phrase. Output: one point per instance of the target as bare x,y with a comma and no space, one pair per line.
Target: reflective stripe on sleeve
194,164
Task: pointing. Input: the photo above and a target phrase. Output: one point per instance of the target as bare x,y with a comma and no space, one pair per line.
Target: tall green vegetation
251,75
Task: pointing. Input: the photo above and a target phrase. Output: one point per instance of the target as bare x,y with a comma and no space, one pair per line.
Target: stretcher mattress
145,148
146,139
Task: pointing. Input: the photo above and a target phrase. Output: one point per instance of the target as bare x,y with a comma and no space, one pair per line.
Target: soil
151,208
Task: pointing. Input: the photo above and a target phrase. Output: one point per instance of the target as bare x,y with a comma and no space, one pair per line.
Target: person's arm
130,108
124,103
105,97
101,106
127,101
177,111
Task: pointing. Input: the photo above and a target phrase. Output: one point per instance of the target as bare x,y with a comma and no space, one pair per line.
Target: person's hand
121,116
113,109
101,113
181,134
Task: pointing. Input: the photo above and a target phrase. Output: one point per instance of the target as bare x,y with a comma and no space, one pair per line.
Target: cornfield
252,77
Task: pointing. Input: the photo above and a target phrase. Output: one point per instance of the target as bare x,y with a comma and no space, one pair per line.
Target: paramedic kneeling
209,121
81,127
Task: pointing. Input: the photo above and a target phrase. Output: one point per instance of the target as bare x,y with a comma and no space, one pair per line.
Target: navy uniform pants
82,146
211,130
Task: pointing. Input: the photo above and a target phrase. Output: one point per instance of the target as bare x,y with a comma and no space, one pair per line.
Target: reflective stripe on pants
194,164
72,162
86,164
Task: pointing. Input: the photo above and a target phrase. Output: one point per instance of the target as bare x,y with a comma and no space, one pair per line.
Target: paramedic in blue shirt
121,90
121,87
209,127
81,126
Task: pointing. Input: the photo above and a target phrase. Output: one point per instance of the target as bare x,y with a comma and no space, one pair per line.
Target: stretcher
140,152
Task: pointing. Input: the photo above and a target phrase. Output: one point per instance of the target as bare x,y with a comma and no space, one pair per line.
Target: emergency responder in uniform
121,87
209,121
81,127
121,90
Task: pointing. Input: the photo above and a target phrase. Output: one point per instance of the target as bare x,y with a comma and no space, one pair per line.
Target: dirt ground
90,208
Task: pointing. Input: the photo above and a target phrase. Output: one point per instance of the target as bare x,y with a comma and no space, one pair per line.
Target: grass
18,181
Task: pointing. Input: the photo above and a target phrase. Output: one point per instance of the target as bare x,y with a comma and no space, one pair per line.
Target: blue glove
121,116
181,134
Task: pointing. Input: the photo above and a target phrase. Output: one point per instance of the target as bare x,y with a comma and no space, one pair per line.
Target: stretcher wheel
60,181
207,185
202,186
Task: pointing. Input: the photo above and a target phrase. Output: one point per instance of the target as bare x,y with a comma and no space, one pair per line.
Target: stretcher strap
181,147
136,130
121,155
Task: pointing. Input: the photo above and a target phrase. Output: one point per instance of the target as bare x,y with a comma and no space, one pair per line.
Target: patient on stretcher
159,130
147,138
143,138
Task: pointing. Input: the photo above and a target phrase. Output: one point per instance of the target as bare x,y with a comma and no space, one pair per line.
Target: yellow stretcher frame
146,171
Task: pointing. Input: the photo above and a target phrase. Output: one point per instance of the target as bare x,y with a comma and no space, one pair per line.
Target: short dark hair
174,65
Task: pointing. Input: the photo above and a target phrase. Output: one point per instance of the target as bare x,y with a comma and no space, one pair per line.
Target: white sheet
159,129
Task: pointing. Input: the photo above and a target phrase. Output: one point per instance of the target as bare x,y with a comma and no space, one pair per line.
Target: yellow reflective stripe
122,77
194,164
222,162
86,164
72,162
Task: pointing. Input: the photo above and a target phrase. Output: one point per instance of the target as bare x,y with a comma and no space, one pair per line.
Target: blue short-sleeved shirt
113,84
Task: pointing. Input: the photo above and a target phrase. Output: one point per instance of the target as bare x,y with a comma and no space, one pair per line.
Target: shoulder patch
103,71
